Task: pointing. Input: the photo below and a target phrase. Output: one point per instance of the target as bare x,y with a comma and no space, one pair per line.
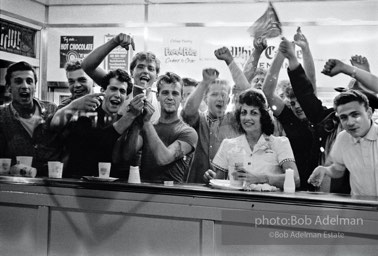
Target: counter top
196,190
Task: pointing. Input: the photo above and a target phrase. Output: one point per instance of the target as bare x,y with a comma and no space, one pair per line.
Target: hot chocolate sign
74,47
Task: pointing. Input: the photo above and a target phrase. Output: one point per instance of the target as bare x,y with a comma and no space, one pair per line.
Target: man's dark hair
252,97
169,78
149,56
19,66
119,74
350,96
72,65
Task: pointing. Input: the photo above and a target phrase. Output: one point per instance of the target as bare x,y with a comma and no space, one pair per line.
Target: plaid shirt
16,141
211,133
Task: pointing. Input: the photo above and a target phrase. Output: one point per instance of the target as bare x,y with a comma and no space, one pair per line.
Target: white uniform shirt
267,157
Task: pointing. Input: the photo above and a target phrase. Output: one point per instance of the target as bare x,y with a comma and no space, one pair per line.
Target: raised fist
224,54
300,39
287,48
210,74
333,67
260,44
360,62
124,41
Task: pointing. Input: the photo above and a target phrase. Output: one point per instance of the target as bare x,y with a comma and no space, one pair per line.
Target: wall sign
118,57
74,47
17,39
180,51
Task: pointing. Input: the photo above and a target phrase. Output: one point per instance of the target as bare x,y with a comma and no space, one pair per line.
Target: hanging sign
17,39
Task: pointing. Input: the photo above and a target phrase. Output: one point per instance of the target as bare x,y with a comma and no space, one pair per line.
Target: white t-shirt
30,123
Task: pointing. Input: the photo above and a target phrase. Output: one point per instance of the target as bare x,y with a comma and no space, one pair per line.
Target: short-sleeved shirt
211,133
360,156
168,133
267,157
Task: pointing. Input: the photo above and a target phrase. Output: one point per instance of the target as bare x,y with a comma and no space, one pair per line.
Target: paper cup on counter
236,160
55,169
22,170
5,164
25,160
104,169
134,176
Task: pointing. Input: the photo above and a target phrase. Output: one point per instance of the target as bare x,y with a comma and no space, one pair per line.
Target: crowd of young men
142,122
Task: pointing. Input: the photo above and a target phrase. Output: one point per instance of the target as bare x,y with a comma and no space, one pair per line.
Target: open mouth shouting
24,95
144,80
219,106
115,103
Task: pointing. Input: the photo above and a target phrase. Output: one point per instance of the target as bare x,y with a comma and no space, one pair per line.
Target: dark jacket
323,118
16,141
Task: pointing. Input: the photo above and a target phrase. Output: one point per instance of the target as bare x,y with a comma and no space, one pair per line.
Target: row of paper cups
55,168
104,172
24,167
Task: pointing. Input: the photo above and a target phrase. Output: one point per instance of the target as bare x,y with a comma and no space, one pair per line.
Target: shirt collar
209,118
38,105
262,143
263,140
372,134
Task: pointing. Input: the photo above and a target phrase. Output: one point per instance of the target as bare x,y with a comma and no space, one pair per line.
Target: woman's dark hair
19,66
255,98
119,74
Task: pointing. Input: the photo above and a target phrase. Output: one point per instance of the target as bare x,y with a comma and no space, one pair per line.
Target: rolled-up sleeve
283,150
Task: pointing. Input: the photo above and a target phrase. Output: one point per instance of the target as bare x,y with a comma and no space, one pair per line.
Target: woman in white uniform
264,157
